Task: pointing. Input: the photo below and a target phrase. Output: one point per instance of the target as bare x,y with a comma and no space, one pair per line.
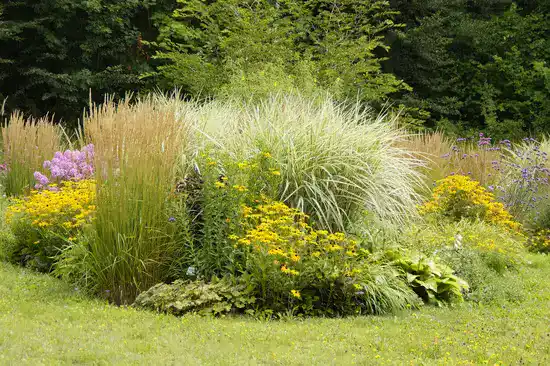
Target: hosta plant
434,282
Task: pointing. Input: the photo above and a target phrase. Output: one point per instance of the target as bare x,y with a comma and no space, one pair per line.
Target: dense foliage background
459,65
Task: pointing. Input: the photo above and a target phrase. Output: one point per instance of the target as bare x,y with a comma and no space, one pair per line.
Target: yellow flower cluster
281,232
539,242
462,197
69,206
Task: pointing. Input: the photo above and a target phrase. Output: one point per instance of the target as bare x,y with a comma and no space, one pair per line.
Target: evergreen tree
53,52
476,64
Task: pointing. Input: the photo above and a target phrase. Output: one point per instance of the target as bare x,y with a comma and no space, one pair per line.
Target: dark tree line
454,64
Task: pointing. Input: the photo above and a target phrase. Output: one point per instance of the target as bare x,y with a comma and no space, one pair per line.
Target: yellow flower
211,163
267,155
275,252
240,188
276,172
296,294
244,241
459,192
219,184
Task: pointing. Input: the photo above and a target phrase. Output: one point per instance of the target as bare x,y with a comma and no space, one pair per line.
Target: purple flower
41,178
484,141
491,188
172,219
70,165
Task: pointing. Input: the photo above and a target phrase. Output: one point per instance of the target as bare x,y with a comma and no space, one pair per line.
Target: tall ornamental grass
137,146
337,162
27,143
445,156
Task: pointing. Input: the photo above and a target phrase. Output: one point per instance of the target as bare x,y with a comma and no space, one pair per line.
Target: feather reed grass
27,143
137,147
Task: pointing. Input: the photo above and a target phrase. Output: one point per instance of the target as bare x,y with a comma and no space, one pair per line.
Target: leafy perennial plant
313,271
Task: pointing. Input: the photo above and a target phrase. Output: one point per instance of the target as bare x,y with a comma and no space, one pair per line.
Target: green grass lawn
42,321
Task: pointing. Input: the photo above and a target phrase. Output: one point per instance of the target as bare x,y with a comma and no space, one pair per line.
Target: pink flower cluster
72,165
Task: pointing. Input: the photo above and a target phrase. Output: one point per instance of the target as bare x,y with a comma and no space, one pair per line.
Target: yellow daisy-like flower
240,188
219,184
296,294
294,258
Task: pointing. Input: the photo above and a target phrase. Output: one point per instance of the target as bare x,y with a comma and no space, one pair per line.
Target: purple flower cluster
71,165
483,140
529,178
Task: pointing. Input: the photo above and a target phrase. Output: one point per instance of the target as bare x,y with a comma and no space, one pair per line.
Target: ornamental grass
27,143
338,162
137,146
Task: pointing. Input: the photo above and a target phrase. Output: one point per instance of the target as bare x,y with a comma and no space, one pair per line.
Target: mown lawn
42,321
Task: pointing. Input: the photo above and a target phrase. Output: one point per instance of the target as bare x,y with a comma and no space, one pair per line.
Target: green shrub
486,285
336,161
480,253
8,245
500,249
220,296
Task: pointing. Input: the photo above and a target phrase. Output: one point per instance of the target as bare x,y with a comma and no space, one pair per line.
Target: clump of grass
137,146
337,161
445,156
26,144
